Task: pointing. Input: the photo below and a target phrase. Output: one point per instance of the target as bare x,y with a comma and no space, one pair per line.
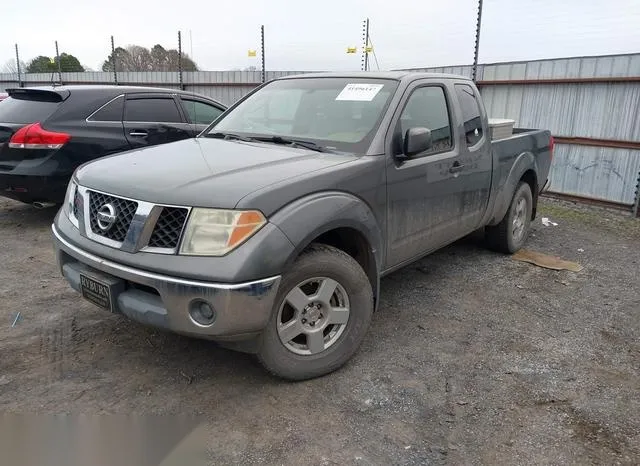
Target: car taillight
33,136
552,144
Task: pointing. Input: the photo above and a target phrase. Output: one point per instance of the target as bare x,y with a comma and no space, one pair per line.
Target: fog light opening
202,313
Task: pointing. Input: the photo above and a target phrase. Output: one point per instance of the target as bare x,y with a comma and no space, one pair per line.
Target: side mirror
416,140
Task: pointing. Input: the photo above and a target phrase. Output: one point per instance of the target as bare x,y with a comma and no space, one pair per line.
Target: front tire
512,232
321,314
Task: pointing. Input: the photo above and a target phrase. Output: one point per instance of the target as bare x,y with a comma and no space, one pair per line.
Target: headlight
69,199
213,232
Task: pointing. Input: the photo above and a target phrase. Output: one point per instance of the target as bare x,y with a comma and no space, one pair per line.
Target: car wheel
512,232
322,312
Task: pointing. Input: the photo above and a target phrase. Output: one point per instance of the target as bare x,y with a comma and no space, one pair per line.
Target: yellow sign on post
368,49
252,53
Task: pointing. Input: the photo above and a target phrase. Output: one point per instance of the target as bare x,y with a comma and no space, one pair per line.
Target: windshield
338,113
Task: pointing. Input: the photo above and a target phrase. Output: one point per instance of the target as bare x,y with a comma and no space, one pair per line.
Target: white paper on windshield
359,91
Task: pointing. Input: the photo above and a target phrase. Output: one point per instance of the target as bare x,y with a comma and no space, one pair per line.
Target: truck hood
202,172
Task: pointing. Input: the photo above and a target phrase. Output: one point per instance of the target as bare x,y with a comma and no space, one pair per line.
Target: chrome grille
166,233
124,211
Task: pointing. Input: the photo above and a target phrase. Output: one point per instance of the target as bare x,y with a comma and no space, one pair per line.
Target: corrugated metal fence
591,105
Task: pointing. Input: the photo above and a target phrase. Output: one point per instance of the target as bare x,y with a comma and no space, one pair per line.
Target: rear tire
321,315
512,232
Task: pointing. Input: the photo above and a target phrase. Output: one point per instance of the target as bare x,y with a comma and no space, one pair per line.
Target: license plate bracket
100,290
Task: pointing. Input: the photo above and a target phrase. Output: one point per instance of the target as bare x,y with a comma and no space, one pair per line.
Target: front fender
307,218
505,191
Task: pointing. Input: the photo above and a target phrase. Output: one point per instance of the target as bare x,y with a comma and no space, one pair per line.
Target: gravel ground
473,358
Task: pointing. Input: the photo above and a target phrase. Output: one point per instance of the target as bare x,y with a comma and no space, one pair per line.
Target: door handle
138,133
457,167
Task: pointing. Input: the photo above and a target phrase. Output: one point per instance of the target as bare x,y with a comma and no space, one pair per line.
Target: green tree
121,57
187,63
68,64
43,64
40,64
159,58
137,58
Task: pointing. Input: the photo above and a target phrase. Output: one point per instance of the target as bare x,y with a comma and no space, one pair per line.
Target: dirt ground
473,358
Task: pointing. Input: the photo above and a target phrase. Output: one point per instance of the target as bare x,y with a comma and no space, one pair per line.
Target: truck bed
526,147
524,140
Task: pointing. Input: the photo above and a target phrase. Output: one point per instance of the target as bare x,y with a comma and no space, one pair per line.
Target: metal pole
191,45
59,64
474,71
264,73
366,47
18,67
636,205
365,44
113,61
180,59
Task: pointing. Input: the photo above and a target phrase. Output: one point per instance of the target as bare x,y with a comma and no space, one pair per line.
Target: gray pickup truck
270,231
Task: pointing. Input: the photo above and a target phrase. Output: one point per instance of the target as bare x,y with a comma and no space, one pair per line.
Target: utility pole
113,62
474,71
264,73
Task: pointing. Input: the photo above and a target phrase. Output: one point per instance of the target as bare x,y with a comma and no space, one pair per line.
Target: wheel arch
339,220
531,179
525,169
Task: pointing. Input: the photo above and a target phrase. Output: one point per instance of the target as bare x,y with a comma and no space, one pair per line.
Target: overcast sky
305,35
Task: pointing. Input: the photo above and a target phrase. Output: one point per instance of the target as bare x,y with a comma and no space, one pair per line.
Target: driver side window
427,108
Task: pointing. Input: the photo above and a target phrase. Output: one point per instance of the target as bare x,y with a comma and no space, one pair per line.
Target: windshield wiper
274,139
292,142
227,136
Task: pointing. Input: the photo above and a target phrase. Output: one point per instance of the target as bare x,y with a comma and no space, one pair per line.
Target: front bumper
242,310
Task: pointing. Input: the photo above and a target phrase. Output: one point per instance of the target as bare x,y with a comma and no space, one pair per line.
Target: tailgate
22,107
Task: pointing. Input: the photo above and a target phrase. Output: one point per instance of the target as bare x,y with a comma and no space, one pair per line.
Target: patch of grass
618,223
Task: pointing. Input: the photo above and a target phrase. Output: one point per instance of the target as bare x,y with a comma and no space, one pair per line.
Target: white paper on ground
547,223
362,92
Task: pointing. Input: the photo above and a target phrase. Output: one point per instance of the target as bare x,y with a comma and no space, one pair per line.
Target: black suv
47,132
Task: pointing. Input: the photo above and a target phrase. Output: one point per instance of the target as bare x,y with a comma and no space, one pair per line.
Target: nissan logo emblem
106,217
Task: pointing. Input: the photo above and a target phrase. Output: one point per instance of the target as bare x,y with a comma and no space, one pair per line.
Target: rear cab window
152,109
470,114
